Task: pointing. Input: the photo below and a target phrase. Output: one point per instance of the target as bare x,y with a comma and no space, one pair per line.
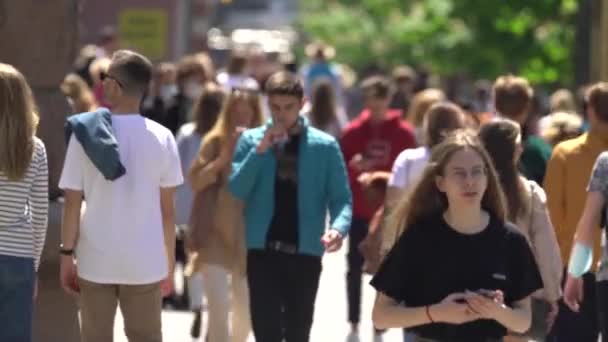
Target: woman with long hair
440,119
219,242
459,271
189,137
23,204
324,114
527,208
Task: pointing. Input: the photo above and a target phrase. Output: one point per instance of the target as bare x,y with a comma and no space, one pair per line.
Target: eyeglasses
103,75
461,175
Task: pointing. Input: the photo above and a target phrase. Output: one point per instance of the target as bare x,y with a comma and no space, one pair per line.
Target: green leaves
481,38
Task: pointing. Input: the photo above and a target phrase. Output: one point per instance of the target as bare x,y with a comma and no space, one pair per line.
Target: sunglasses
103,75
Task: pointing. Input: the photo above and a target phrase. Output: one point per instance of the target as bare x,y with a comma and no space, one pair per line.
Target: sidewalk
330,315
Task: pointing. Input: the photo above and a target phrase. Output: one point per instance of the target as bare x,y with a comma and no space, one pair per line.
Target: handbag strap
531,220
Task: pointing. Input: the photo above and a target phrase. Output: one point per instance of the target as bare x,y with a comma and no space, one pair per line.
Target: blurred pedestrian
218,234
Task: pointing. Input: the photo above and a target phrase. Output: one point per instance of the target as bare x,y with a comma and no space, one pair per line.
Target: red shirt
379,141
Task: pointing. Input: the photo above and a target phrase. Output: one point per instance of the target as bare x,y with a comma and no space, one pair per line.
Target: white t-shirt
408,167
121,237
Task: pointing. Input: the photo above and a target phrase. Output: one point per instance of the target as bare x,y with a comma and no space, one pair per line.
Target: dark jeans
358,232
602,308
17,277
282,292
580,327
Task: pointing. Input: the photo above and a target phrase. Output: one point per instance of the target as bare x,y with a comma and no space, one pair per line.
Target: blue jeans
17,277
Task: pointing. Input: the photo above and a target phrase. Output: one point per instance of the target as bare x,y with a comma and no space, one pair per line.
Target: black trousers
282,292
578,327
354,275
602,308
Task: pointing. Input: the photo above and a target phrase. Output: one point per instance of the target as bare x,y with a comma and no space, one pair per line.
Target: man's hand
332,240
272,134
69,275
573,293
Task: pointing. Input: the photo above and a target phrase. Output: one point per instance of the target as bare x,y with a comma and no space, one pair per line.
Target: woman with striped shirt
23,204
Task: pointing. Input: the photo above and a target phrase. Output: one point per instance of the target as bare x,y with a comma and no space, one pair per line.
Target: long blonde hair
18,123
421,104
425,200
223,126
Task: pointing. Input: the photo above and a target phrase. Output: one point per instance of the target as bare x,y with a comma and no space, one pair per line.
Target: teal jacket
322,186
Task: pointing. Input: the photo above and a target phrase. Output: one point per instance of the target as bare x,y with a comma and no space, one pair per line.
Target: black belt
280,246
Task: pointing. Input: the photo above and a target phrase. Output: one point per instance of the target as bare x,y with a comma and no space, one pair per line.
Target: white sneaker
353,337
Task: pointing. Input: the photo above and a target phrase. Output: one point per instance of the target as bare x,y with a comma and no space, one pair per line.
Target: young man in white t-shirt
125,241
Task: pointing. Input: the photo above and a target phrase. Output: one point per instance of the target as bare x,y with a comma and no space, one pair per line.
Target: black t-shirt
284,225
431,260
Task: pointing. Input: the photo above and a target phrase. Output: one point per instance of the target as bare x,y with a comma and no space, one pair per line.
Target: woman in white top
440,119
23,204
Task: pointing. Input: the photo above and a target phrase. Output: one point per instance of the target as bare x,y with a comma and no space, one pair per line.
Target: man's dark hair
132,70
377,86
597,98
284,83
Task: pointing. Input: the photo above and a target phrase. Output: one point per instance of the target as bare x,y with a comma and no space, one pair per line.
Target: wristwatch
64,251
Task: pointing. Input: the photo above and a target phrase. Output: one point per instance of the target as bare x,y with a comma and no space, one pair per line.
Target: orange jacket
565,183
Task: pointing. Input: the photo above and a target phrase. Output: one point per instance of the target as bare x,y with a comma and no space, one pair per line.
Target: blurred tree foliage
480,38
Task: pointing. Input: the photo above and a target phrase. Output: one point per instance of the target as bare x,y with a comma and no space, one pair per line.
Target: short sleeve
398,266
398,173
599,176
523,271
172,170
72,176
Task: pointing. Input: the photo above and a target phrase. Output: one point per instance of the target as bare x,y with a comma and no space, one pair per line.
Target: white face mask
168,91
193,90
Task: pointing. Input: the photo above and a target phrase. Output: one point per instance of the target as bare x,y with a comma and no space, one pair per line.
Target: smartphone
486,293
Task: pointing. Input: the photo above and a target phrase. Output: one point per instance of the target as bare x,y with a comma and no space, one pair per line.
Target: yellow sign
145,31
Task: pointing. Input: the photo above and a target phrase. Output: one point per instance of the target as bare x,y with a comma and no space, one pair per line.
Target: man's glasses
103,75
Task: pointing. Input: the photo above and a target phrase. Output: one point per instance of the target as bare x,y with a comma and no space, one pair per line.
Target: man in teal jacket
289,175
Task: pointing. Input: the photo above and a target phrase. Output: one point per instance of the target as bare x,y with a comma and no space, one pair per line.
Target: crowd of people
479,219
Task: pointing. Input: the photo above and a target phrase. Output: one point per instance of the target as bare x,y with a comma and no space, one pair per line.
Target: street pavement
330,323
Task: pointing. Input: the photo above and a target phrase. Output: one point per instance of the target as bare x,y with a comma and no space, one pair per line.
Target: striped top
24,209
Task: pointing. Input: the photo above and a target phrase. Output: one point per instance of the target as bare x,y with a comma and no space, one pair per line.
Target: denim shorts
17,277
